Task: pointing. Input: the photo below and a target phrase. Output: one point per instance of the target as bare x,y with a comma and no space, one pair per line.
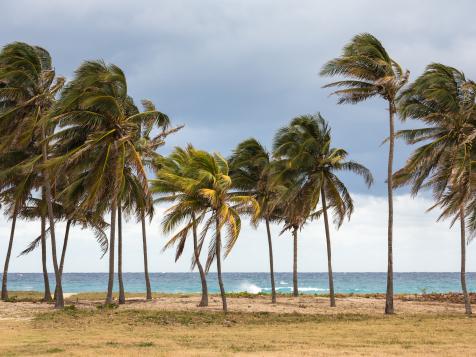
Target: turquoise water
309,283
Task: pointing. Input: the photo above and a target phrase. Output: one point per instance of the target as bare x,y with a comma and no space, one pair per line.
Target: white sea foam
282,282
250,288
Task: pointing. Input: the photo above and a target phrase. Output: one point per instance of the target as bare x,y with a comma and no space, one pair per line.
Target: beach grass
135,332
172,325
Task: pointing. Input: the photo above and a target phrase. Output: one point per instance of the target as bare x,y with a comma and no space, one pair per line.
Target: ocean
309,283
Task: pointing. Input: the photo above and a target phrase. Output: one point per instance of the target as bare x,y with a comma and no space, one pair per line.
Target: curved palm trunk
63,251
467,302
295,274
7,258
389,296
203,277
122,295
218,257
271,268
329,255
146,264
59,301
110,283
47,294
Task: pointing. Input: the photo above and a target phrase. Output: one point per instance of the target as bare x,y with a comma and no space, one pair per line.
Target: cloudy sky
229,70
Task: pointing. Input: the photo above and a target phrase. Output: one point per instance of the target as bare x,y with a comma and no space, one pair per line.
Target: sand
285,305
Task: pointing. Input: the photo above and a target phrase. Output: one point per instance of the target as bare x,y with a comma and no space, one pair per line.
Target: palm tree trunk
63,251
203,278
467,302
218,257
146,264
329,255
110,283
47,294
7,258
389,296
122,295
271,268
295,274
59,301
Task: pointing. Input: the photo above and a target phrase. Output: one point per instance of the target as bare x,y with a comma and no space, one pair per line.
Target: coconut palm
28,94
444,100
97,138
252,173
208,185
147,144
306,146
370,72
173,177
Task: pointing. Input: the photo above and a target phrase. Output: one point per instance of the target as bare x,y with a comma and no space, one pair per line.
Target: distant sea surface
309,283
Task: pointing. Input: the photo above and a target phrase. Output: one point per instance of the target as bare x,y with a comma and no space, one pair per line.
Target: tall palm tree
215,186
252,173
306,145
210,188
29,87
147,145
444,100
172,184
97,138
370,72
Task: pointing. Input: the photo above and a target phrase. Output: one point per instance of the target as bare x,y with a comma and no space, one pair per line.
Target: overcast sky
229,70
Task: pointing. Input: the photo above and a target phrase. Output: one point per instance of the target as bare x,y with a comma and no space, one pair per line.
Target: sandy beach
173,325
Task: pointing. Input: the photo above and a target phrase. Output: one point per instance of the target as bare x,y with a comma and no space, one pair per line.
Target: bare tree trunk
7,258
329,255
218,257
389,296
295,274
47,294
122,295
59,301
63,251
110,283
146,264
271,268
203,277
467,301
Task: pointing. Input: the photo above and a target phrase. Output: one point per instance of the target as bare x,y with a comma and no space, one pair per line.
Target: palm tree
172,184
370,72
97,139
251,172
208,185
444,100
147,146
306,145
29,89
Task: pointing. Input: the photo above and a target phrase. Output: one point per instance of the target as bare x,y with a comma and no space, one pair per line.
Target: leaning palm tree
444,100
172,185
97,139
370,72
225,206
251,172
306,146
29,87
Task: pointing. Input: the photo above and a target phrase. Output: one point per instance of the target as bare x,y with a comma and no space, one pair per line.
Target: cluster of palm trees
78,150
73,151
299,182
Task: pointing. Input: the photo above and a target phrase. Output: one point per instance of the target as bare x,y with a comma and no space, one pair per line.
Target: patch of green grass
145,344
184,318
54,350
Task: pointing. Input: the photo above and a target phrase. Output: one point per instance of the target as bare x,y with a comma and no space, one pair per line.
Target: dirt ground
175,326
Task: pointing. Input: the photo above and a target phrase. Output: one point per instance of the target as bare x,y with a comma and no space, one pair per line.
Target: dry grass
153,328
